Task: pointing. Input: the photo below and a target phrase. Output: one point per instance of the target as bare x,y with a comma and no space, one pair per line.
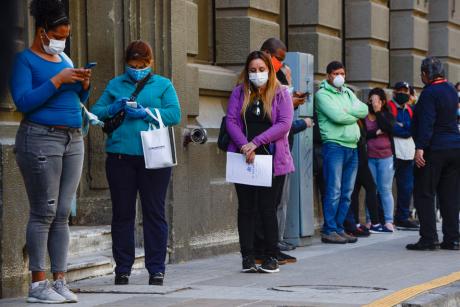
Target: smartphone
90,65
301,95
132,104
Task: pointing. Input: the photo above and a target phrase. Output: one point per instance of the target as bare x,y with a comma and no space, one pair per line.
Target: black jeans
256,201
363,179
126,176
439,177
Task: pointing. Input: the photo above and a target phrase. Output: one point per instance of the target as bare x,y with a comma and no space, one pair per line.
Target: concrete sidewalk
325,275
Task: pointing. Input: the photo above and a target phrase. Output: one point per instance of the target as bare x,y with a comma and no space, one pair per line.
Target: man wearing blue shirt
437,171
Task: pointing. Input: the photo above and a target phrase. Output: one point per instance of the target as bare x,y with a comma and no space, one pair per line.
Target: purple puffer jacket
282,113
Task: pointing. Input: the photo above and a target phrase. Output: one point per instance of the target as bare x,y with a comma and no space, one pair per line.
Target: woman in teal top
125,166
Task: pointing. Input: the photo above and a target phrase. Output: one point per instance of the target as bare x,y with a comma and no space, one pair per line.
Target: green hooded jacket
338,113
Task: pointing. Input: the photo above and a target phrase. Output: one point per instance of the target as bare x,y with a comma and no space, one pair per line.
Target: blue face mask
458,112
138,74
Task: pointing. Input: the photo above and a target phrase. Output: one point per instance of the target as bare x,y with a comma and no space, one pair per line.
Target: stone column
315,27
408,40
444,17
367,35
242,26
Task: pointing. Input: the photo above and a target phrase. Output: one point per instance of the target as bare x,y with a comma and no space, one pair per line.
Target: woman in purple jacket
259,117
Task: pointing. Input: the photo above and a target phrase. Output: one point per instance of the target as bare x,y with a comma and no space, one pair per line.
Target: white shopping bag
158,144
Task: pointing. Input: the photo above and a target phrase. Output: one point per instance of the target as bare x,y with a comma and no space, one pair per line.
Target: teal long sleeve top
158,93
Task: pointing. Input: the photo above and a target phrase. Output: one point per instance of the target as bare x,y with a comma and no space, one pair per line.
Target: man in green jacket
338,111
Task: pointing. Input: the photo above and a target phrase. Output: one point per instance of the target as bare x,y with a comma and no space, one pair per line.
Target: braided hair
49,14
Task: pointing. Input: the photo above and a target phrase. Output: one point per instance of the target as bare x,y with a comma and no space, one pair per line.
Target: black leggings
364,179
256,201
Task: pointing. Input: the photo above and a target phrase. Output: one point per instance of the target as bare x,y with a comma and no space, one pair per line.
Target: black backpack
224,139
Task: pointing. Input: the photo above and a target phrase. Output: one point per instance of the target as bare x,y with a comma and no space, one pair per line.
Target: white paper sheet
259,173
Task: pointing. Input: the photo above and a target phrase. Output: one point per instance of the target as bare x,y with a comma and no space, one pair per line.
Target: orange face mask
277,64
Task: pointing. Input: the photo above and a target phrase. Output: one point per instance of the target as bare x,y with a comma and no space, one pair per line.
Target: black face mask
401,98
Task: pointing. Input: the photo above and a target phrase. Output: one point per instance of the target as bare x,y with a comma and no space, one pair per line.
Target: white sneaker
60,286
44,293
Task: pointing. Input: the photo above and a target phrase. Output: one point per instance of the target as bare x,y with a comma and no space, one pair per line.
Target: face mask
458,93
138,74
339,81
458,112
401,98
258,78
277,64
55,46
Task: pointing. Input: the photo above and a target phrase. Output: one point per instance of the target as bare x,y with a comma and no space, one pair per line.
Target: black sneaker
423,246
156,279
249,265
407,225
122,279
282,257
453,246
270,265
283,246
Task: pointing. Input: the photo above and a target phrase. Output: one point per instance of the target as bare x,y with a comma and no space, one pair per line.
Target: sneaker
379,228
44,293
270,265
293,246
423,246
156,279
360,231
122,279
407,225
61,288
333,238
283,246
350,239
249,265
285,258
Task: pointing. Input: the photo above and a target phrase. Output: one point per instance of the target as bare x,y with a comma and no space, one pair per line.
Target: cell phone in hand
90,65
132,104
302,95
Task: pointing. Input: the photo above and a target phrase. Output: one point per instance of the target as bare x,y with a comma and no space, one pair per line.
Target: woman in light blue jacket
125,166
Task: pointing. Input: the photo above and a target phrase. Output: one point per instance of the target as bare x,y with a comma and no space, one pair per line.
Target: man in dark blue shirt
437,171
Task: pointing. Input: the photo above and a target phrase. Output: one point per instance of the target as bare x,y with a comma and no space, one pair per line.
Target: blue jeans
340,165
383,172
405,183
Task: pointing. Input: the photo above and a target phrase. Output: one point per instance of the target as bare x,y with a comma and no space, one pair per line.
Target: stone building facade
201,45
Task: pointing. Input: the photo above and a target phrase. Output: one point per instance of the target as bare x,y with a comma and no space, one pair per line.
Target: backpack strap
393,108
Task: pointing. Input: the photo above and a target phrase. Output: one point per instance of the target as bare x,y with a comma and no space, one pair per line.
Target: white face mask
339,80
458,94
55,46
258,78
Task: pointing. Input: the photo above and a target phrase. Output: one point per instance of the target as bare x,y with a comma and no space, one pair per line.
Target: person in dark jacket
380,150
437,172
363,179
400,107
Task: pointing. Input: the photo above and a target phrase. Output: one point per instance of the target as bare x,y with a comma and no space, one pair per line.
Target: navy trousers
404,176
127,175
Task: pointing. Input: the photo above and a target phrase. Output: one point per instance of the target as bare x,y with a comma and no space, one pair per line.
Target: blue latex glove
135,113
117,106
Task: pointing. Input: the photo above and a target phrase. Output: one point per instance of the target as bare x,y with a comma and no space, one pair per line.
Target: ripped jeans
50,161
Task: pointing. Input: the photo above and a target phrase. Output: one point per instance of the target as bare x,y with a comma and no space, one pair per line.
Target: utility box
300,212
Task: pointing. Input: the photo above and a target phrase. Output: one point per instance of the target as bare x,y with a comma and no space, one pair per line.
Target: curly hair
48,14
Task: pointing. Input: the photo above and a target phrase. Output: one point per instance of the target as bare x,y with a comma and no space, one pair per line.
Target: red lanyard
439,81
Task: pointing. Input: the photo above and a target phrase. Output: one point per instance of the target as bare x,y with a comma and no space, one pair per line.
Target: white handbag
158,144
